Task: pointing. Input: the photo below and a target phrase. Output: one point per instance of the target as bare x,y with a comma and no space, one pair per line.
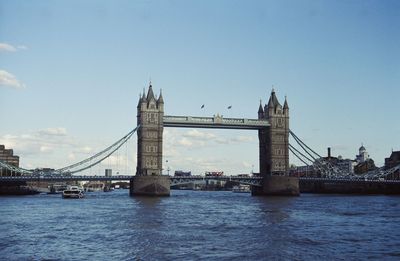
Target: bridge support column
156,185
277,186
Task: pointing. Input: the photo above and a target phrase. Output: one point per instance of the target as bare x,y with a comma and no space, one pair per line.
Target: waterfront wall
346,187
8,188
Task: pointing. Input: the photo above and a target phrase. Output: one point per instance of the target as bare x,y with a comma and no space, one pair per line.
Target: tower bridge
272,125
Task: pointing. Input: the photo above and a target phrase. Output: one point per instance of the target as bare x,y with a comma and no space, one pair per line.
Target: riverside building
7,156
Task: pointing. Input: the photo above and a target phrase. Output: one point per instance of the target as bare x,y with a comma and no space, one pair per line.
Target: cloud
185,142
5,47
46,149
22,47
71,156
53,132
38,142
85,149
247,164
9,80
194,139
222,141
55,148
199,134
209,150
241,139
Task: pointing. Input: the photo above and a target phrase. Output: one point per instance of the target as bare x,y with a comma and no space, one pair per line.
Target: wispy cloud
196,134
54,132
5,47
9,80
55,148
22,47
197,150
193,139
50,147
38,142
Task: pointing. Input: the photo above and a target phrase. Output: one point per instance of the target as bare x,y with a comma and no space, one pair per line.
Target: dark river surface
199,225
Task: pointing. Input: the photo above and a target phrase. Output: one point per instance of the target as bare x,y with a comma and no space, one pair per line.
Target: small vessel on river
241,189
57,188
73,192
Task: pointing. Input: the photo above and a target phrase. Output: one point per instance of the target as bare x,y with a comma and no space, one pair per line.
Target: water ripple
192,225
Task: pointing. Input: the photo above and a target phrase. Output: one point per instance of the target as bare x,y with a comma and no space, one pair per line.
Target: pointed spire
150,93
273,101
144,95
160,98
260,108
140,99
285,105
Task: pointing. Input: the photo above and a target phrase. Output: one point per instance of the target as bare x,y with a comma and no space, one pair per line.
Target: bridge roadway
254,181
217,122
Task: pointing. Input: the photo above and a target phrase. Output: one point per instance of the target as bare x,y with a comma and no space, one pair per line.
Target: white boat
73,192
57,188
241,189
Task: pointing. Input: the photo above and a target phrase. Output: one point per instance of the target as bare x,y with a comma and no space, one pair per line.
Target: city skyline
71,75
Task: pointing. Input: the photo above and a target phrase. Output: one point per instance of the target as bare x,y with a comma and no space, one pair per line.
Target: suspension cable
13,168
100,160
297,138
297,156
304,156
122,141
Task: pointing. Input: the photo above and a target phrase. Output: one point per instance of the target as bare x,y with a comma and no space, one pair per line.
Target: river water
199,225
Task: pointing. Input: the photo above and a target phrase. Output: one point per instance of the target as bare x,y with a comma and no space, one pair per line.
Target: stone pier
150,186
278,186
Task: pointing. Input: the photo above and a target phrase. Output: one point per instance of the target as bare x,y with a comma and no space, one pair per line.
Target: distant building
108,173
302,171
214,173
180,173
344,165
7,156
362,154
364,167
361,164
393,160
364,162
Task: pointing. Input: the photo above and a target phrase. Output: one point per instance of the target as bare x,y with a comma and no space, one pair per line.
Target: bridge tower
274,150
149,179
276,138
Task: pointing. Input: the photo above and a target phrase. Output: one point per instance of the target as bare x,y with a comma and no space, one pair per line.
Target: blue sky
71,73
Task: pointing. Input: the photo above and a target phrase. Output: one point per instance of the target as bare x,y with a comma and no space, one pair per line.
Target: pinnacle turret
140,100
285,105
150,93
260,108
273,101
260,111
144,95
160,98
